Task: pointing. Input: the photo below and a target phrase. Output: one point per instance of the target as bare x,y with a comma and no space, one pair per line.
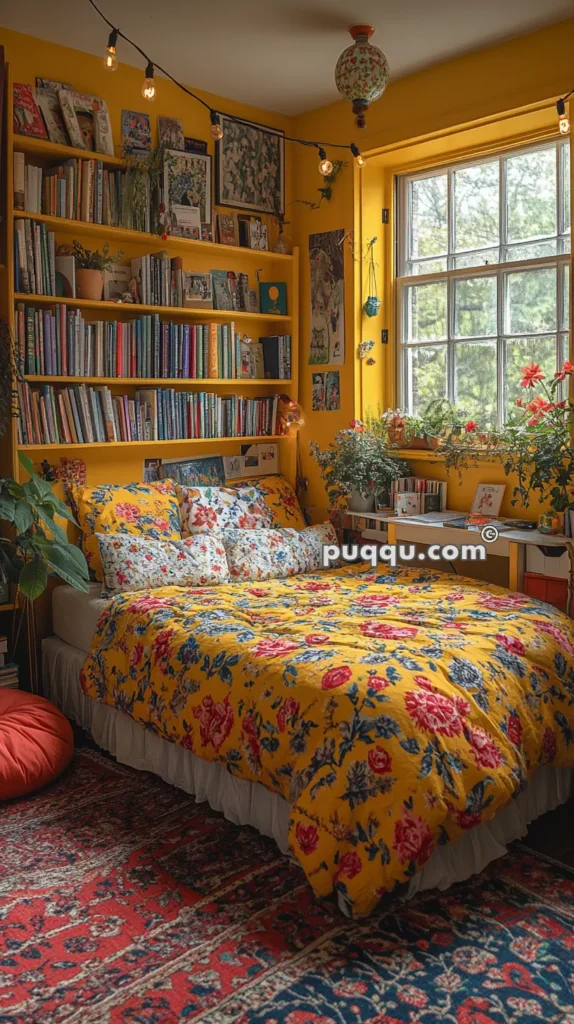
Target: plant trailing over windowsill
34,545
141,190
438,420
357,460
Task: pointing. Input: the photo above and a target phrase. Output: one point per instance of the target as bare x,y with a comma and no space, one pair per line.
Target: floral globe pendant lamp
362,72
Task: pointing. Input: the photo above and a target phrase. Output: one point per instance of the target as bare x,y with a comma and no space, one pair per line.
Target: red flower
315,585
465,819
551,630
308,838
257,591
204,517
436,713
131,513
567,367
136,655
336,677
287,712
549,746
161,645
412,995
316,639
148,604
358,426
121,577
531,374
512,644
350,865
514,730
377,600
413,839
379,760
470,426
377,683
250,729
274,648
380,630
486,753
215,721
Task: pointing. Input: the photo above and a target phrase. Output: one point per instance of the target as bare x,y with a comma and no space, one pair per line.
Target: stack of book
8,670
418,495
34,258
79,190
80,414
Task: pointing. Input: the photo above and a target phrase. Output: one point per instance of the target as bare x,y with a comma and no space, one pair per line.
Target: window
483,278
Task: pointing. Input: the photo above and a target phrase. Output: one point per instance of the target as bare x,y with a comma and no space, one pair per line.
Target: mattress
75,614
249,803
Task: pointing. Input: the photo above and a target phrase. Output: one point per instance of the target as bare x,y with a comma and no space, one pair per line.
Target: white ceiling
280,55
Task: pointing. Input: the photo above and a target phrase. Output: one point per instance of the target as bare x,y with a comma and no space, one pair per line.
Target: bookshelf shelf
52,151
119,235
137,307
162,382
7,607
176,442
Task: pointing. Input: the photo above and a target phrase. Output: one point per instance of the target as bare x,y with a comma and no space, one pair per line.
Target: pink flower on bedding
382,631
379,760
316,639
377,600
511,643
131,513
465,819
160,524
274,648
250,731
314,585
557,634
257,591
287,713
136,655
336,677
350,865
307,837
147,603
378,683
486,753
161,646
514,730
502,603
436,713
413,839
121,577
215,721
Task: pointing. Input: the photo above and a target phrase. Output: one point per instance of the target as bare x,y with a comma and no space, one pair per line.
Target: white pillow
275,553
141,563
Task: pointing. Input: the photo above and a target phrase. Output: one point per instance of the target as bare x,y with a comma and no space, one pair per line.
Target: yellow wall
457,106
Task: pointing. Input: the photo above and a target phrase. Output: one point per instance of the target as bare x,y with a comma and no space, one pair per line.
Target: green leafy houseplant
357,460
439,419
33,544
88,259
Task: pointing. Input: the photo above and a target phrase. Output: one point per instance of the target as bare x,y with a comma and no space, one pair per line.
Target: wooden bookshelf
199,256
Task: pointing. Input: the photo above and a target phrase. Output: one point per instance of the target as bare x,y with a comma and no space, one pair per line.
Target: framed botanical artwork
187,181
250,167
87,121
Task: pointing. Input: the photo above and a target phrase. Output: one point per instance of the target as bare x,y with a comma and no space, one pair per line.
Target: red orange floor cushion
36,743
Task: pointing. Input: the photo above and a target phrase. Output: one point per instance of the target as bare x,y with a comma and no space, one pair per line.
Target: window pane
531,194
426,375
566,186
482,258
475,307
565,312
530,301
520,352
426,312
476,206
475,381
426,267
429,218
530,251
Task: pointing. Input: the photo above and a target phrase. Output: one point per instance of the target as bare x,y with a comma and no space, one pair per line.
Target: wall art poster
326,392
250,167
170,133
318,392
326,263
187,181
205,471
136,133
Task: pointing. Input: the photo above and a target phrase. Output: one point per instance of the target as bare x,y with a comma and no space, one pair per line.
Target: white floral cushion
203,509
141,563
275,553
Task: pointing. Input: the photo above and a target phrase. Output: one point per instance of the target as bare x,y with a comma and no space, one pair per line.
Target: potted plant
357,465
90,266
439,419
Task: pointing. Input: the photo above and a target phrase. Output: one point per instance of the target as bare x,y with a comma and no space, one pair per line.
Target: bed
392,730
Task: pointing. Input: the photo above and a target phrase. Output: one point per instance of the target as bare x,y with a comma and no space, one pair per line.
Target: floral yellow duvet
392,710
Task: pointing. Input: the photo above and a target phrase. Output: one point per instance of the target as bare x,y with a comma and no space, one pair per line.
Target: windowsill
434,455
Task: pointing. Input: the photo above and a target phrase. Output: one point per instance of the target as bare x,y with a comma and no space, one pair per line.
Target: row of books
34,258
413,495
58,342
80,414
79,190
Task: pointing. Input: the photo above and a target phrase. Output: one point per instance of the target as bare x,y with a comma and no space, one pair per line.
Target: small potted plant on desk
358,466
90,266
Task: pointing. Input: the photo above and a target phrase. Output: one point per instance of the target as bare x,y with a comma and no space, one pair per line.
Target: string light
356,153
148,88
149,92
110,60
563,122
325,165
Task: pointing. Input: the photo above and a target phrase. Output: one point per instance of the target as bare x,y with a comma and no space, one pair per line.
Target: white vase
357,503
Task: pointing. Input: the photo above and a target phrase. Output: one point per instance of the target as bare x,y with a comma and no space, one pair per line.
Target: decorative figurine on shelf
48,472
289,414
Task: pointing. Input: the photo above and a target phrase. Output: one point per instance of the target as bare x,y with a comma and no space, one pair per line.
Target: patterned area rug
124,902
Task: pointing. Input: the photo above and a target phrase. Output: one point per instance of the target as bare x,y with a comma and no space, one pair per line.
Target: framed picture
250,167
27,118
185,221
170,133
187,181
87,121
488,499
136,133
49,104
227,229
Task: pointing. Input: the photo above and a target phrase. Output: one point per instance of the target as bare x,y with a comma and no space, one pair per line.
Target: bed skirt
249,803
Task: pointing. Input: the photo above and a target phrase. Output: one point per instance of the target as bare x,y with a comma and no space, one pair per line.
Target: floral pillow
275,553
140,563
203,509
280,499
144,510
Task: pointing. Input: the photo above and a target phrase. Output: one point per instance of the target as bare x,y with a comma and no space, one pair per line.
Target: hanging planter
372,304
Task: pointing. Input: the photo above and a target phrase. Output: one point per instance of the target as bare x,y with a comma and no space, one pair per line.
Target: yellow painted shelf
137,307
164,444
52,151
164,382
191,245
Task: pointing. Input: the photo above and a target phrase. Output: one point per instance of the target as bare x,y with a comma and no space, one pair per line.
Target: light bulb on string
148,88
325,165
357,154
110,59
216,129
563,121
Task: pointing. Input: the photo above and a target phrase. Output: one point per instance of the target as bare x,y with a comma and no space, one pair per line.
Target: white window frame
499,270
